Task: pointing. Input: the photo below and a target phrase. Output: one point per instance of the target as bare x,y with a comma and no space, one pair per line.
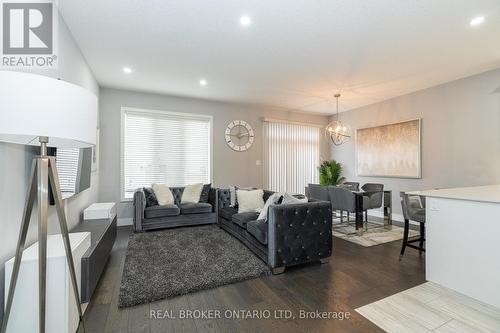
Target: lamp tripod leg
43,206
56,190
25,222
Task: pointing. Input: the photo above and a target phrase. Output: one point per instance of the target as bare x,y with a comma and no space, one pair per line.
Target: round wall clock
239,135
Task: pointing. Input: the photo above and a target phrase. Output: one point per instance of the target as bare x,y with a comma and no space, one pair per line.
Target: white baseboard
121,221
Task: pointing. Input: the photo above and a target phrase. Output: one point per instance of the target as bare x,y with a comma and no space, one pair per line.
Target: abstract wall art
391,150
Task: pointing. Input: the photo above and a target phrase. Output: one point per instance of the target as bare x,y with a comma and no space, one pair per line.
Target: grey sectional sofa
293,234
176,215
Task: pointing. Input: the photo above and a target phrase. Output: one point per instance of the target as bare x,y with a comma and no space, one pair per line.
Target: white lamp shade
35,105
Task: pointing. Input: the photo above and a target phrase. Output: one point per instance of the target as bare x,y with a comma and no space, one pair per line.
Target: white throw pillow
250,201
272,200
163,194
191,193
290,199
234,196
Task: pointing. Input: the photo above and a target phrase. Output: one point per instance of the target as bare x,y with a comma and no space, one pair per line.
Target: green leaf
330,173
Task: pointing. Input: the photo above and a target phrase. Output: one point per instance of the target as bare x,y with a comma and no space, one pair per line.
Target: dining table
386,207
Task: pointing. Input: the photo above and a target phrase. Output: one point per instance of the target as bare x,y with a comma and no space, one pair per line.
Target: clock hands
240,135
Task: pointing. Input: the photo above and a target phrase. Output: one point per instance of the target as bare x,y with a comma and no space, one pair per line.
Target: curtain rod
273,120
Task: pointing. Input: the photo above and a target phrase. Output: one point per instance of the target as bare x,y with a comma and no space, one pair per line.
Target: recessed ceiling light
478,20
127,70
203,82
245,20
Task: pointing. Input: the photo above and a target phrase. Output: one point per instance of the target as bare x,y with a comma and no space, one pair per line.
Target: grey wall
460,134
15,163
229,167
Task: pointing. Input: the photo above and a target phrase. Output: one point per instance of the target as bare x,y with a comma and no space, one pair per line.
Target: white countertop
55,246
490,193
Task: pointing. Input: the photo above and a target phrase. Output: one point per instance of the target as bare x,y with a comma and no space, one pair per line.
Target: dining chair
344,199
353,186
318,192
375,195
413,207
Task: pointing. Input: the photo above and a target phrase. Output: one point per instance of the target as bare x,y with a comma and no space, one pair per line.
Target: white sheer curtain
291,156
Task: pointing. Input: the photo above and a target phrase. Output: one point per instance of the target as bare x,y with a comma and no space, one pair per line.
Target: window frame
125,109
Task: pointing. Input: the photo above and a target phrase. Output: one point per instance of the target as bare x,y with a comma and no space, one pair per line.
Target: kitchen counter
490,193
463,240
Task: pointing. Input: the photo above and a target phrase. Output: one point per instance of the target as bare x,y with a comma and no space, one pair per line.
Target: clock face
239,135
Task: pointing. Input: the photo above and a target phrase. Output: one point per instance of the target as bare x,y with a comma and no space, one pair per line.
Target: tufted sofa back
177,193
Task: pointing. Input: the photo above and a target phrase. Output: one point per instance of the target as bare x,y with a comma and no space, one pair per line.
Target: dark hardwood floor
355,276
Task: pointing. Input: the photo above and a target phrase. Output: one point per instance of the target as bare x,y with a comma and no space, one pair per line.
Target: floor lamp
38,110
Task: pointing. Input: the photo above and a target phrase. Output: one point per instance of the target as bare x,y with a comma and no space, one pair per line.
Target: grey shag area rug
178,261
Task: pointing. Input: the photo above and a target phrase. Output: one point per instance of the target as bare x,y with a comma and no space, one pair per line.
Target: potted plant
330,173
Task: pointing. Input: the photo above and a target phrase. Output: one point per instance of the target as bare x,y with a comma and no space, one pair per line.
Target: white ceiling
296,53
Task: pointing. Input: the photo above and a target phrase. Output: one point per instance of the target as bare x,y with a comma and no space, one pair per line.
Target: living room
234,166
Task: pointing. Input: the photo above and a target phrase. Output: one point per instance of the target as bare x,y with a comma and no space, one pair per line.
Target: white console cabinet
100,210
62,313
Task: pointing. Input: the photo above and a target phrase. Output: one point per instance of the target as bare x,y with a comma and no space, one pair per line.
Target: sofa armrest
299,233
139,206
213,199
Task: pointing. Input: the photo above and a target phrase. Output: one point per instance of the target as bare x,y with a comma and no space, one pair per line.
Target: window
291,156
164,147
67,160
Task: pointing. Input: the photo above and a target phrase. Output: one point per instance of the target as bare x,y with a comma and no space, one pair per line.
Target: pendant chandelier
338,132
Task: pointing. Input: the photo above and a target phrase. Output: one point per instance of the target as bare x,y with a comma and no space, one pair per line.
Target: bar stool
414,210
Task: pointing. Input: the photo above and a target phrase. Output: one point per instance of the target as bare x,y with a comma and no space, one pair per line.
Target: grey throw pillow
150,196
205,193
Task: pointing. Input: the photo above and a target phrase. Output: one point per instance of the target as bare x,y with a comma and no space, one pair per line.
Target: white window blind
291,156
161,147
67,160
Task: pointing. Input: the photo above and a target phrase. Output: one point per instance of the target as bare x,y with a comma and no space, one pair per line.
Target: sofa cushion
228,212
161,211
196,208
241,219
259,230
